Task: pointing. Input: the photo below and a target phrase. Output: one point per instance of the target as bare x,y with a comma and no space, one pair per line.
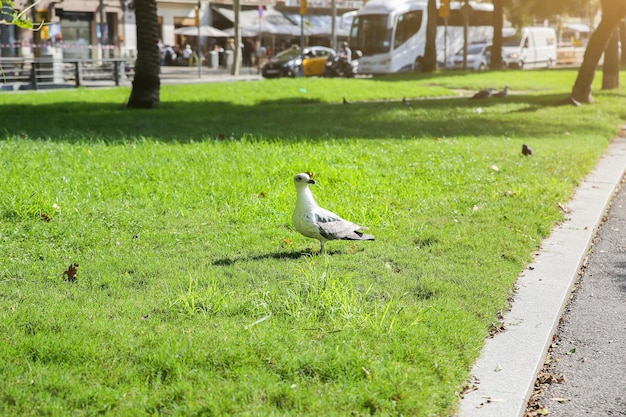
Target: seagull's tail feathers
359,236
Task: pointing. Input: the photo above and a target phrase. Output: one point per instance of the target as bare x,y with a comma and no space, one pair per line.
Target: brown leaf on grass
44,217
71,272
496,328
467,388
310,174
262,194
287,241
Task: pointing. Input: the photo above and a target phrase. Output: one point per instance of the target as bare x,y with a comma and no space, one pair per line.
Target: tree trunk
429,63
622,39
610,69
612,12
237,52
146,82
498,23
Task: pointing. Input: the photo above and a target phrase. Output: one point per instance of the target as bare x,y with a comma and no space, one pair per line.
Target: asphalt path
511,363
587,362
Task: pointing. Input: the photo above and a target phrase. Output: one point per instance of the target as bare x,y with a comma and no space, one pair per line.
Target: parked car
293,63
478,57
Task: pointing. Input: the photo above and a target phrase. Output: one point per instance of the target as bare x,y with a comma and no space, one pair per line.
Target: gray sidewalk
169,75
506,372
588,357
191,75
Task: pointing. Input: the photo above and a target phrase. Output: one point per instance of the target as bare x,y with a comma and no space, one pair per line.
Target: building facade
94,29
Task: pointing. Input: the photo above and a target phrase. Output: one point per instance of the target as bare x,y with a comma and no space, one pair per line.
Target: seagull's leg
322,248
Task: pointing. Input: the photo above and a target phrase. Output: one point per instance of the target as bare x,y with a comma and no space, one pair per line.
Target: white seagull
315,222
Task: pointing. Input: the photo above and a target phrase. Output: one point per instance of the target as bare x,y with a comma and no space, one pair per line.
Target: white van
533,47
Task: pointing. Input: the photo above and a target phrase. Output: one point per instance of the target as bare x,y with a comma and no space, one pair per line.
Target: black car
292,63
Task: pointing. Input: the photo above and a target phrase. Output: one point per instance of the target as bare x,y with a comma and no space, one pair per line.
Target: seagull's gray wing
333,227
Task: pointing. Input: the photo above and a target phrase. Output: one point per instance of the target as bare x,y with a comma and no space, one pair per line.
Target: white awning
205,31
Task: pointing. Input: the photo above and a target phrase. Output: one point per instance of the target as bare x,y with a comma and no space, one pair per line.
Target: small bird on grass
406,102
317,223
526,150
483,94
503,93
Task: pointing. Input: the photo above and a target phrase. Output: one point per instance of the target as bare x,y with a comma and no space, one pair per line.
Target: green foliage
525,12
15,17
195,295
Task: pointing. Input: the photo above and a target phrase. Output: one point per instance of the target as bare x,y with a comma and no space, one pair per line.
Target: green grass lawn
195,295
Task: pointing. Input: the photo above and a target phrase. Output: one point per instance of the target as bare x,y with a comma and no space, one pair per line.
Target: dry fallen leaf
287,241
71,272
490,400
44,217
561,400
310,174
564,209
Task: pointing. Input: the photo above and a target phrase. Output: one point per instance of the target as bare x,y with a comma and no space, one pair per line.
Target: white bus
391,34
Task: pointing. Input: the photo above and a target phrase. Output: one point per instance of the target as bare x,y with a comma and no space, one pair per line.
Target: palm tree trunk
146,82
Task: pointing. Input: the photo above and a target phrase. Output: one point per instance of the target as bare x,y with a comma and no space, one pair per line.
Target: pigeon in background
503,93
315,222
526,150
483,93
406,102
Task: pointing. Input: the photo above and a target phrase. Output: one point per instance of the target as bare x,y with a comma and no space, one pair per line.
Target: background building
93,29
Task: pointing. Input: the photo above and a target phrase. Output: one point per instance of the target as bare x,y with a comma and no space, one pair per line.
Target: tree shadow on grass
284,120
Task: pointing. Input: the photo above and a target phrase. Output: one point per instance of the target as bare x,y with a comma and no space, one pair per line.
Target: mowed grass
195,295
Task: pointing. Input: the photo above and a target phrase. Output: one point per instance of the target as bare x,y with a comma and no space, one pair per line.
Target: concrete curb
508,366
